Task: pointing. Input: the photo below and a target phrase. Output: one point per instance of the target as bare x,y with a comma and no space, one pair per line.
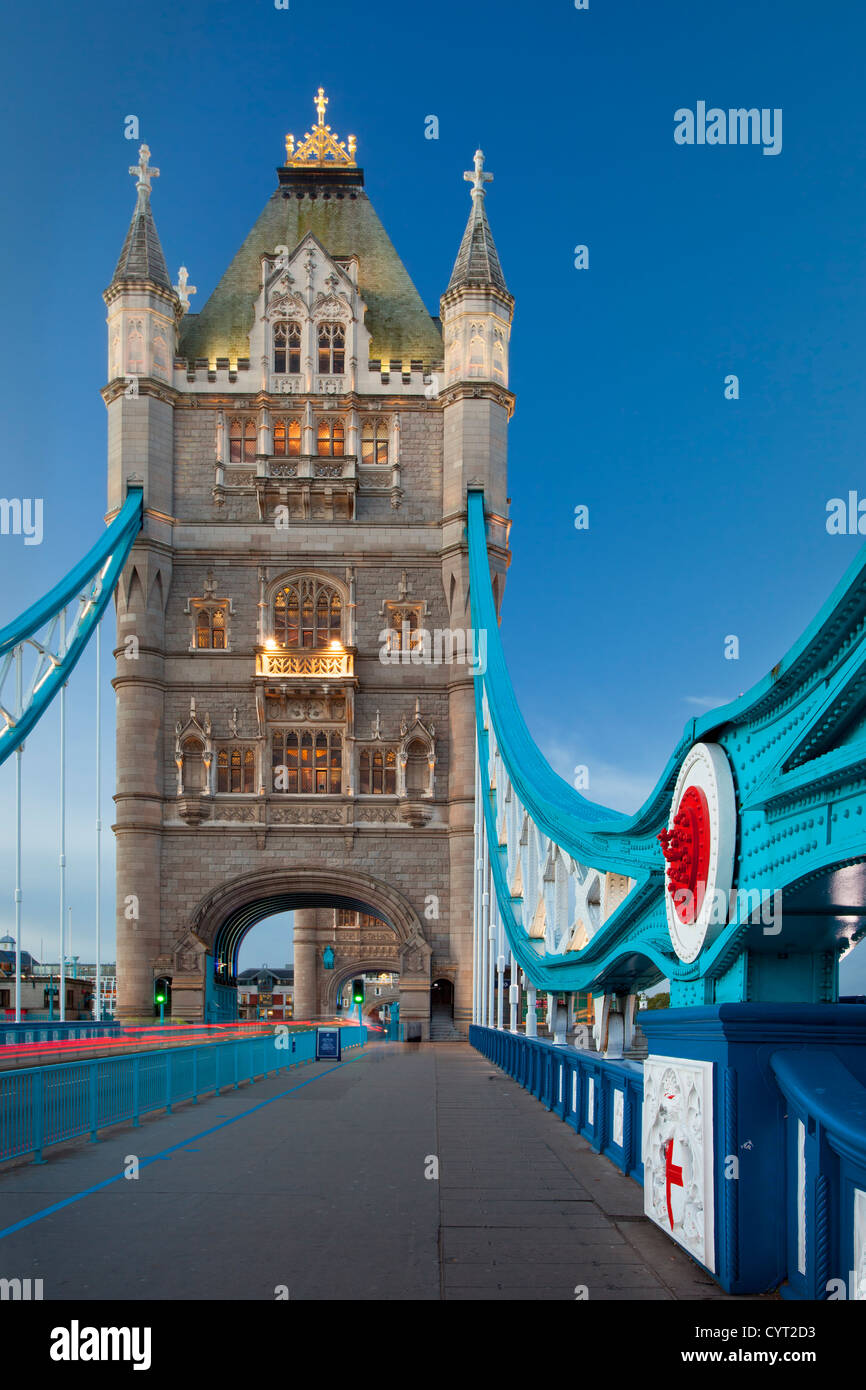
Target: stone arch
361,966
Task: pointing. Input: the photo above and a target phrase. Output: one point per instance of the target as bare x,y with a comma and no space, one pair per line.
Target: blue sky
703,261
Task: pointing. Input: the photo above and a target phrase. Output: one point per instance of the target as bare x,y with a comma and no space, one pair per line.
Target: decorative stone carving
678,1152
306,815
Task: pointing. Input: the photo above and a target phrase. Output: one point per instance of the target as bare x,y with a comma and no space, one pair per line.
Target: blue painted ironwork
49,1105
579,1087
796,744
46,1030
92,583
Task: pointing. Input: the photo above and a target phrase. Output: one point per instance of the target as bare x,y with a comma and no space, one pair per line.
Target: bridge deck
316,1180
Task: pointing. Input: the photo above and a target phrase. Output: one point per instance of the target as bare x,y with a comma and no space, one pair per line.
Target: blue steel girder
91,583
796,746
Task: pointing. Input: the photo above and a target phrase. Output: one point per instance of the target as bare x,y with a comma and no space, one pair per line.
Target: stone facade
245,504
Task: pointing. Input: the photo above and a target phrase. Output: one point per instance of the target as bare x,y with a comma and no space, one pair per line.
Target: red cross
673,1177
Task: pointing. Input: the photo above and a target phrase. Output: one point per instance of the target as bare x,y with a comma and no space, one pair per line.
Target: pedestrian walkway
320,1184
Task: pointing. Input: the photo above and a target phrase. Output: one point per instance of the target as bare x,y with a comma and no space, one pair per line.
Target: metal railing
40,1106
602,1100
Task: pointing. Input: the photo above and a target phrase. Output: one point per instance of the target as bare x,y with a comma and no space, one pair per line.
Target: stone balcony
283,664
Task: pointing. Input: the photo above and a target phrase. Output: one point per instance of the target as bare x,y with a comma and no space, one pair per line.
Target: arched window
135,347
330,437
287,438
307,763
378,771
374,441
332,349
242,441
307,613
210,629
287,347
236,770
404,635
498,361
160,354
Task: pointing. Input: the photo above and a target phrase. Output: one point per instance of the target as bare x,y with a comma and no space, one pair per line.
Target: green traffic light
160,999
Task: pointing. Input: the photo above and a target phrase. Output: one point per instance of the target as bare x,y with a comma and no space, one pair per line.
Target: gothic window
287,347
287,438
378,772
498,360
307,613
404,632
307,763
242,441
330,437
193,766
236,770
332,349
476,352
417,771
374,441
210,629
135,347
160,354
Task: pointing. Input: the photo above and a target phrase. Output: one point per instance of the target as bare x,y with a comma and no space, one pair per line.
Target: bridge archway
221,920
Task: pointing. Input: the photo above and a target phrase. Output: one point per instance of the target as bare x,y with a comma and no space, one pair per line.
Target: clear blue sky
703,261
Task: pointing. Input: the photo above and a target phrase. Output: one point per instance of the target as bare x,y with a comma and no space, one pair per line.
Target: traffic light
357,991
162,995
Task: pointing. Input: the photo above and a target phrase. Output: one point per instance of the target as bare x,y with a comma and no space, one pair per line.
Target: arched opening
442,997
193,766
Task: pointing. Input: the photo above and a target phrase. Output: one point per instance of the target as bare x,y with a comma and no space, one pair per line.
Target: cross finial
477,176
182,289
144,169
321,102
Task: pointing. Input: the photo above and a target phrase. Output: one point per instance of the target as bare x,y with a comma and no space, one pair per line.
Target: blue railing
40,1106
50,1030
601,1100
826,1174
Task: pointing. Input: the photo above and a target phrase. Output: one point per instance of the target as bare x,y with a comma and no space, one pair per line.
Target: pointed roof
477,264
142,259
334,207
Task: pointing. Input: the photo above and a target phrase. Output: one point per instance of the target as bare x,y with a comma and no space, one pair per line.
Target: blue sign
328,958
328,1045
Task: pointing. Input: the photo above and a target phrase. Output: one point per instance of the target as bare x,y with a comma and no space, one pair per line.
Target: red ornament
686,847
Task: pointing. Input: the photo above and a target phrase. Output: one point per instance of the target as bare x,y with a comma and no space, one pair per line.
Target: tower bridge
306,475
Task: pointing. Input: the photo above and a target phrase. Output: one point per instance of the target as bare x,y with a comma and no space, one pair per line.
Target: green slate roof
400,325
477,263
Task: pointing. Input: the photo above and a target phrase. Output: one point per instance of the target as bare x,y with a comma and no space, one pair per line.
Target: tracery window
332,349
210,629
287,347
404,634
374,441
236,770
287,438
307,613
498,360
330,437
242,441
307,762
476,352
378,772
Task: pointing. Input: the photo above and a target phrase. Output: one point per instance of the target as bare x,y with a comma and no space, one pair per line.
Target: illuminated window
404,634
307,763
476,353
378,772
332,348
236,770
242,441
287,347
210,629
330,438
498,360
374,441
287,438
307,613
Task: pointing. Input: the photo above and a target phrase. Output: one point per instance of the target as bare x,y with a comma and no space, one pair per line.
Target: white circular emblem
698,846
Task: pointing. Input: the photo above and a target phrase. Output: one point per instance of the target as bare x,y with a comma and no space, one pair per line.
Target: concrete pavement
315,1185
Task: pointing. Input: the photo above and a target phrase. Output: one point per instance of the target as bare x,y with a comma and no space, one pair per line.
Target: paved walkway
316,1181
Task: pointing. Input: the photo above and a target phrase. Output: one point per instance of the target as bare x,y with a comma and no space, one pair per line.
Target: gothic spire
477,263
141,259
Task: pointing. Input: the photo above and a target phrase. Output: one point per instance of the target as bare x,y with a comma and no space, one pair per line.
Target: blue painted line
164,1155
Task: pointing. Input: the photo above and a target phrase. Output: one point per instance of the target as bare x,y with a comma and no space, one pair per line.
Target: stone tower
294,662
